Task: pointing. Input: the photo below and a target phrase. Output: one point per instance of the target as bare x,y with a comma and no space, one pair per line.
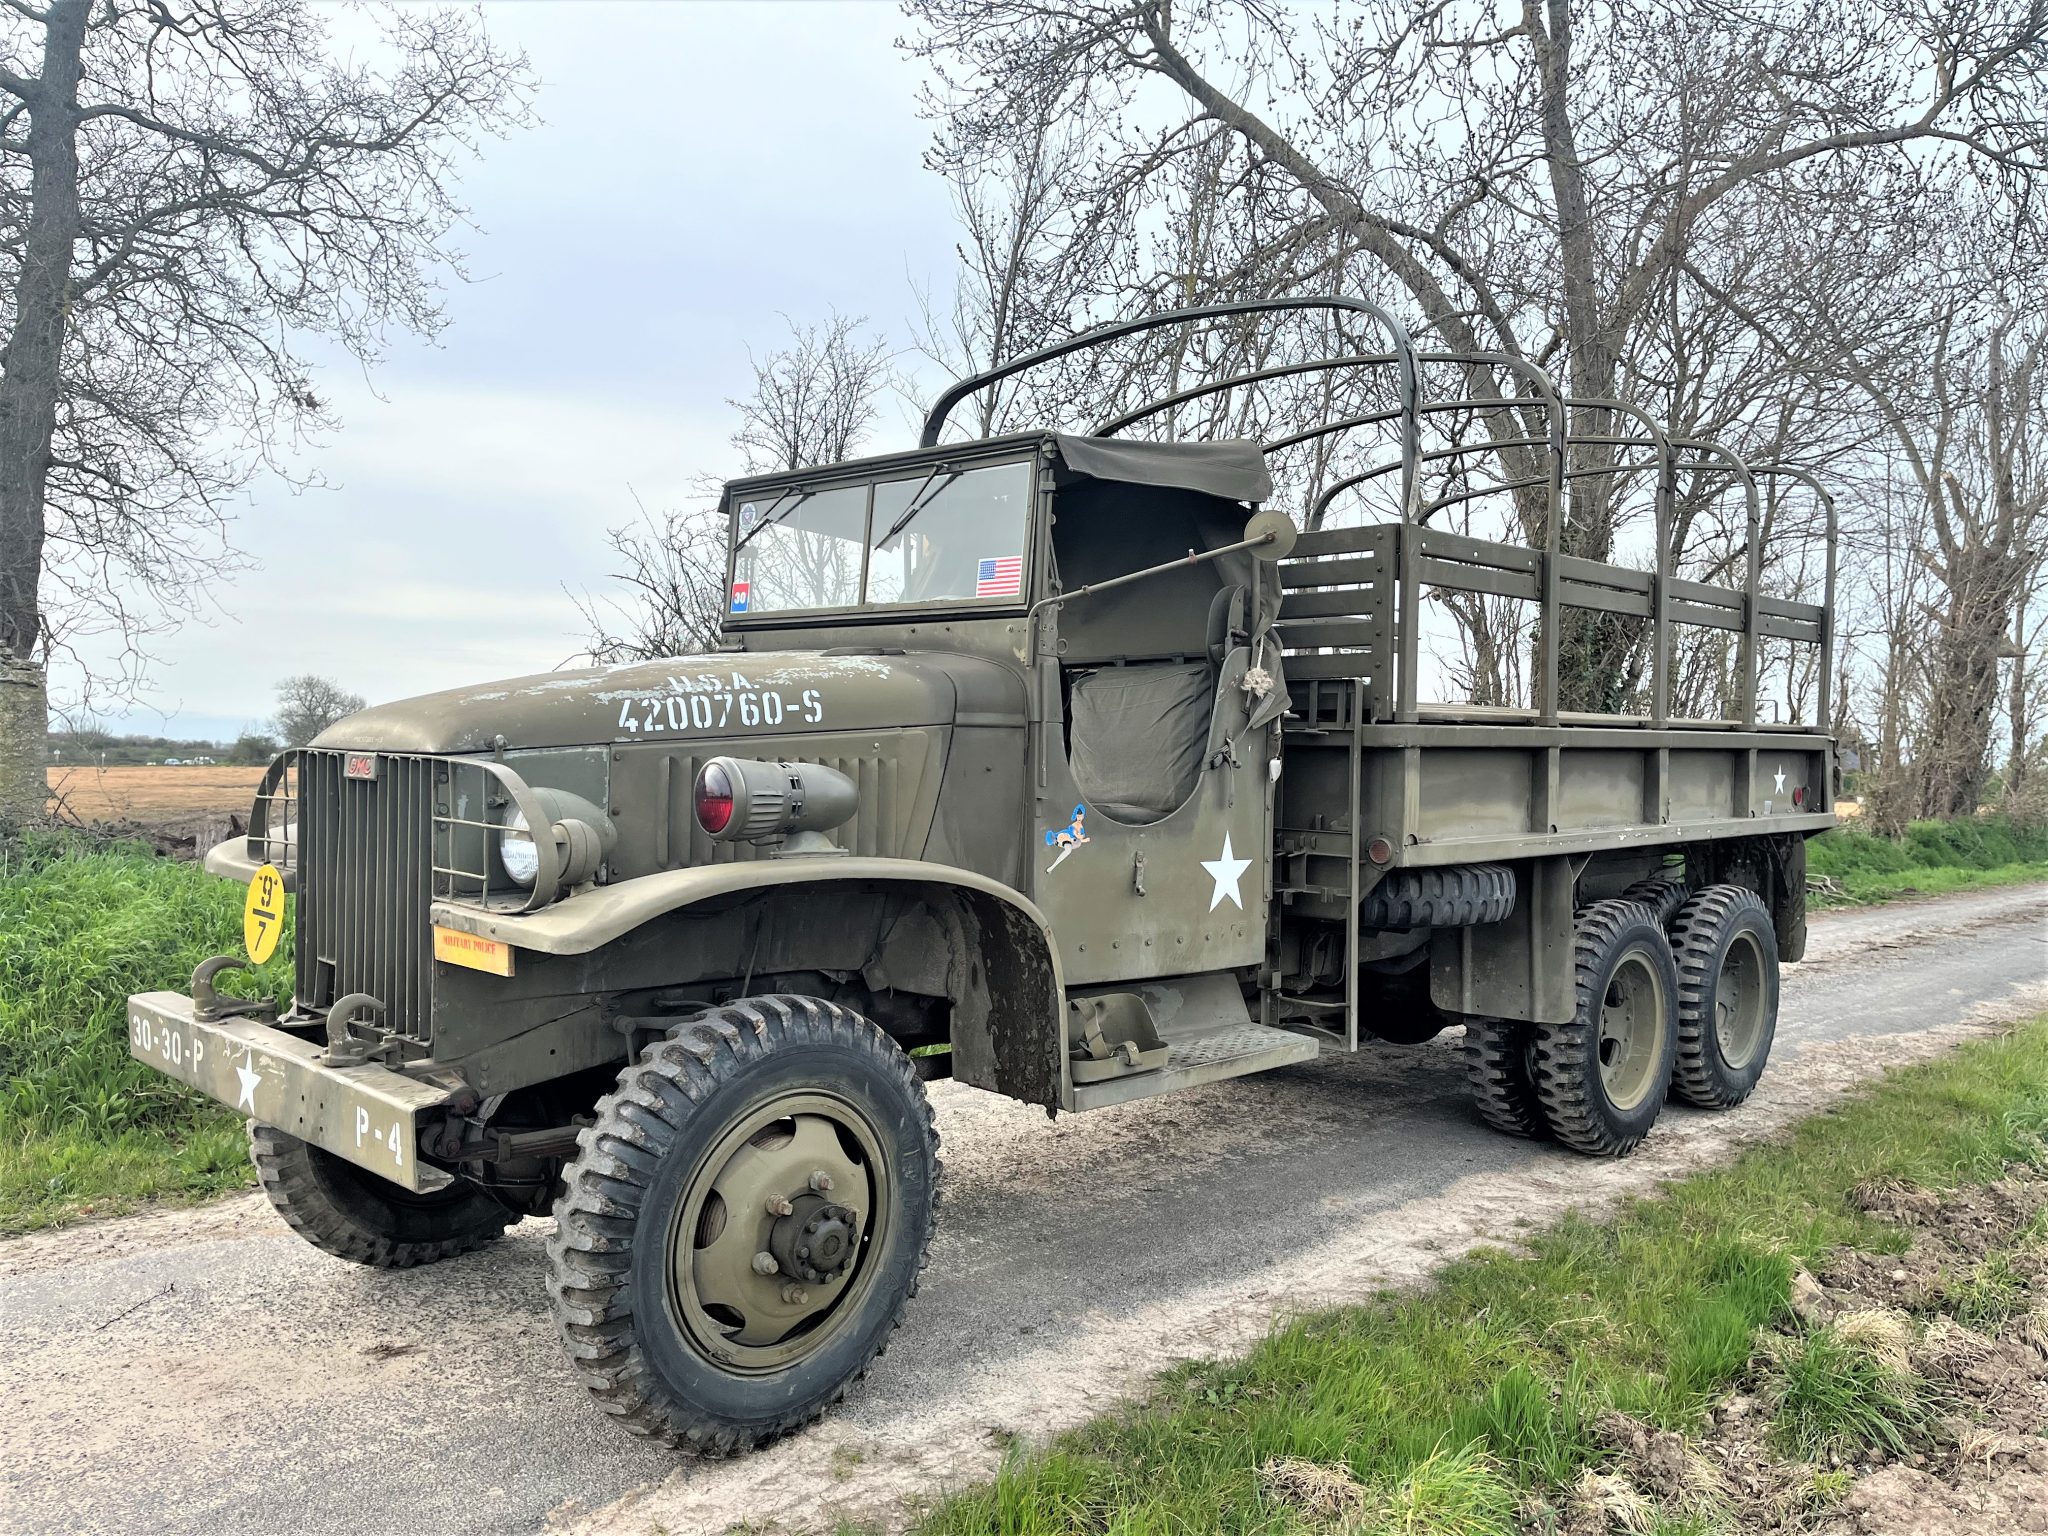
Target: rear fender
1008,1016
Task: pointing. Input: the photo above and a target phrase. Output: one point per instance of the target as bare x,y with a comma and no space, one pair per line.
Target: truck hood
732,694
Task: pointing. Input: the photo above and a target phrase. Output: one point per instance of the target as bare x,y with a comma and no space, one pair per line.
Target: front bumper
366,1115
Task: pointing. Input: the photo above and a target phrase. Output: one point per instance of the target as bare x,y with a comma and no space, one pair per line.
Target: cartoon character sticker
1067,838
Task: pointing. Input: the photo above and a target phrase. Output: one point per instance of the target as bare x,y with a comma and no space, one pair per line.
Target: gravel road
204,1371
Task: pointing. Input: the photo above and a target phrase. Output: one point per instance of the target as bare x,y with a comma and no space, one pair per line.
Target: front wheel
348,1212
745,1222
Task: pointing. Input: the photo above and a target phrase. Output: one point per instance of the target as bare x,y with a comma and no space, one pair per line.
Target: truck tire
1726,947
1788,909
1498,1058
1664,897
1457,896
704,1164
351,1213
1602,1076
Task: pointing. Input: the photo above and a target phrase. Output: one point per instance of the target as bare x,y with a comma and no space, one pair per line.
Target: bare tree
1630,195
187,192
307,705
814,399
1970,434
813,402
671,578
1028,256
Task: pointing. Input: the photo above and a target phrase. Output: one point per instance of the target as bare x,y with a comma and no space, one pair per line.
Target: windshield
943,535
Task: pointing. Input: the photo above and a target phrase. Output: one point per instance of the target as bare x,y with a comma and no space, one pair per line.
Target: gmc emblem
359,765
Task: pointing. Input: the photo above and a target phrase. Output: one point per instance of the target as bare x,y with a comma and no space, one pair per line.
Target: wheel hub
816,1241
1631,1029
766,1252
1741,1004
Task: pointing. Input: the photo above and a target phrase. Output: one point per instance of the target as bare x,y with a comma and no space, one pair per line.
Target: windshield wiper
918,502
775,514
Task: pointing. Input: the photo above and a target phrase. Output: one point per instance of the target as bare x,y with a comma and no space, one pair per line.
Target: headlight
516,849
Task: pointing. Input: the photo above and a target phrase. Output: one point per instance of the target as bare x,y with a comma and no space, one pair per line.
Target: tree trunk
1984,586
24,734
2017,769
30,368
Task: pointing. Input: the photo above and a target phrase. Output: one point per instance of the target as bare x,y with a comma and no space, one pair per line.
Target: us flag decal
1000,577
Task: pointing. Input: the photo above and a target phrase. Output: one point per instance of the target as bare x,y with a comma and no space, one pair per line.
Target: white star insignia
249,1079
1780,778
1226,871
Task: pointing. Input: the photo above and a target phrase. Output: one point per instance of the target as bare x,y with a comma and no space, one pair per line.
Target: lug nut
778,1206
821,1181
795,1295
803,1253
765,1264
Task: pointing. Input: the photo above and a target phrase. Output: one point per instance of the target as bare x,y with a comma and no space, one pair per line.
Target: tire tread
1560,1051
1455,896
286,1174
1503,1091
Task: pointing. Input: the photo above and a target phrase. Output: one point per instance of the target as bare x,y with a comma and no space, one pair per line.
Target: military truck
1056,763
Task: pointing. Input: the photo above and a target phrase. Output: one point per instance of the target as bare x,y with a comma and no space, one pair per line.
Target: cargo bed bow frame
1416,555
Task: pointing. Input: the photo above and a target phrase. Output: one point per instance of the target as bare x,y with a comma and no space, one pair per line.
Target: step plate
1205,1056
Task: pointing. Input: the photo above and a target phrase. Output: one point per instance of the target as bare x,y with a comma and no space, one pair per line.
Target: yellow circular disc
263,914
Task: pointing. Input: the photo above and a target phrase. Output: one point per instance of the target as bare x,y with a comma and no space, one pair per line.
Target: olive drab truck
1057,763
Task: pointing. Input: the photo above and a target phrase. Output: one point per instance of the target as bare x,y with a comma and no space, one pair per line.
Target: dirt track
204,1371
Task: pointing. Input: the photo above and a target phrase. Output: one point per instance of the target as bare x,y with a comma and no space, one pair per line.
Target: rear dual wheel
1726,948
1601,1076
1691,1012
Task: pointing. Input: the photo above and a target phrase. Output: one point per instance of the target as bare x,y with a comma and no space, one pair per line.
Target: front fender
591,919
230,860
1012,1039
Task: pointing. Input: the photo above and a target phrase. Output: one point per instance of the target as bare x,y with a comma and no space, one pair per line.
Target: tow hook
209,1007
346,1048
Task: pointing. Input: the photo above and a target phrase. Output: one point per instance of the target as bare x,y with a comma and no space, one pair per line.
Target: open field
181,800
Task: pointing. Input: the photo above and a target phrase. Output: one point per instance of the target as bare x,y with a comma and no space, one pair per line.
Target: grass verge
1933,857
83,1127
1448,1406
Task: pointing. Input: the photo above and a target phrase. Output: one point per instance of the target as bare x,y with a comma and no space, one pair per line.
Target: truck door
1150,848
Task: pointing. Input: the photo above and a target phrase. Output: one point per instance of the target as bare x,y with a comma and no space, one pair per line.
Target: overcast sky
700,170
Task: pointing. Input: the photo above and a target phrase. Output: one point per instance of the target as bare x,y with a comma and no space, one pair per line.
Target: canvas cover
1232,468
1137,736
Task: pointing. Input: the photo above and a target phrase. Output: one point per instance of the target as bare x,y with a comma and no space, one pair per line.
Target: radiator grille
365,885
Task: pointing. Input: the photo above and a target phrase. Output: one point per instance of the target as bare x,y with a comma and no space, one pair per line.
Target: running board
1205,1053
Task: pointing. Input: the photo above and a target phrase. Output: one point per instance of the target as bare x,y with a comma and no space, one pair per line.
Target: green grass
1836,1401
1933,857
1507,1359
1990,1296
83,1127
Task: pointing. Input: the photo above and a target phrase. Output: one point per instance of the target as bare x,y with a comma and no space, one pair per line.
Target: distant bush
1933,855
